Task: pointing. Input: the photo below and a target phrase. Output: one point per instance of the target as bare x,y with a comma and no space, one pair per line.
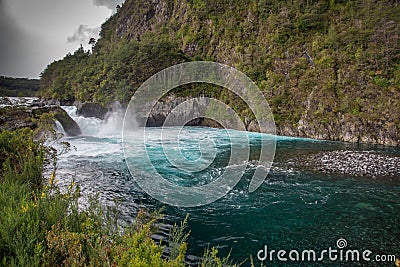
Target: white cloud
83,34
35,33
110,4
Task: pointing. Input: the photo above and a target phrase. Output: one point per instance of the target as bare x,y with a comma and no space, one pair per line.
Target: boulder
71,128
52,102
90,109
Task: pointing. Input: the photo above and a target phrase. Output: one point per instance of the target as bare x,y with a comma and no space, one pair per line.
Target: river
299,206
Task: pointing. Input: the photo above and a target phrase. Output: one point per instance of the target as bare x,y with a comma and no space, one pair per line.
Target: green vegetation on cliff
329,69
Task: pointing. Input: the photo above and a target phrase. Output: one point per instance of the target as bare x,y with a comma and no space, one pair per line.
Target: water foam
91,126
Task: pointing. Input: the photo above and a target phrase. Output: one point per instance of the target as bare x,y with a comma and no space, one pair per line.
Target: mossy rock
71,128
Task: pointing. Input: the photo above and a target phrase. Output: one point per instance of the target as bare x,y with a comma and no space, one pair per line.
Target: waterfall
59,128
90,126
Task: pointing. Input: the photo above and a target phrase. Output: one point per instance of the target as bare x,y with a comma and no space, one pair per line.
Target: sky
34,33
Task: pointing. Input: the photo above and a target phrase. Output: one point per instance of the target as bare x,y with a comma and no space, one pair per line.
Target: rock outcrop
90,109
346,129
12,118
71,128
189,114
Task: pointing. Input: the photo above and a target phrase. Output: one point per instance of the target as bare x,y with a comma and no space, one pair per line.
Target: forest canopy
18,86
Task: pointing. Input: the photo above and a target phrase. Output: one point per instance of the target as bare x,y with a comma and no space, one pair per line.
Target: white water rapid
91,126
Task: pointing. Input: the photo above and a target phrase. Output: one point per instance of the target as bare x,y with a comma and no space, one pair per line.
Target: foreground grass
42,226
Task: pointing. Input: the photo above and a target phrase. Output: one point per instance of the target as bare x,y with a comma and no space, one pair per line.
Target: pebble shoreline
355,163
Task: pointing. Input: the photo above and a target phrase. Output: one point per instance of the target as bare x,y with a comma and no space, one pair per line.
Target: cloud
34,33
83,34
110,4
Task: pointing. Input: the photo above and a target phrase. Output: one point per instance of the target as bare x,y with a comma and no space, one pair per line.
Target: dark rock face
253,126
89,109
149,12
50,102
190,113
346,129
159,112
162,110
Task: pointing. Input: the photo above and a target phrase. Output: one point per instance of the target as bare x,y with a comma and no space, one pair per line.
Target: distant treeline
18,86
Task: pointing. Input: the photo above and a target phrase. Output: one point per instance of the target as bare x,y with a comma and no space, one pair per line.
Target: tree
92,42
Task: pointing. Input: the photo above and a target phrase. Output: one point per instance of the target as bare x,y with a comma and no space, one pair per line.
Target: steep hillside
329,69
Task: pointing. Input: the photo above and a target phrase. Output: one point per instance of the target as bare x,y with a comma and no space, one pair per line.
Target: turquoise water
297,207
